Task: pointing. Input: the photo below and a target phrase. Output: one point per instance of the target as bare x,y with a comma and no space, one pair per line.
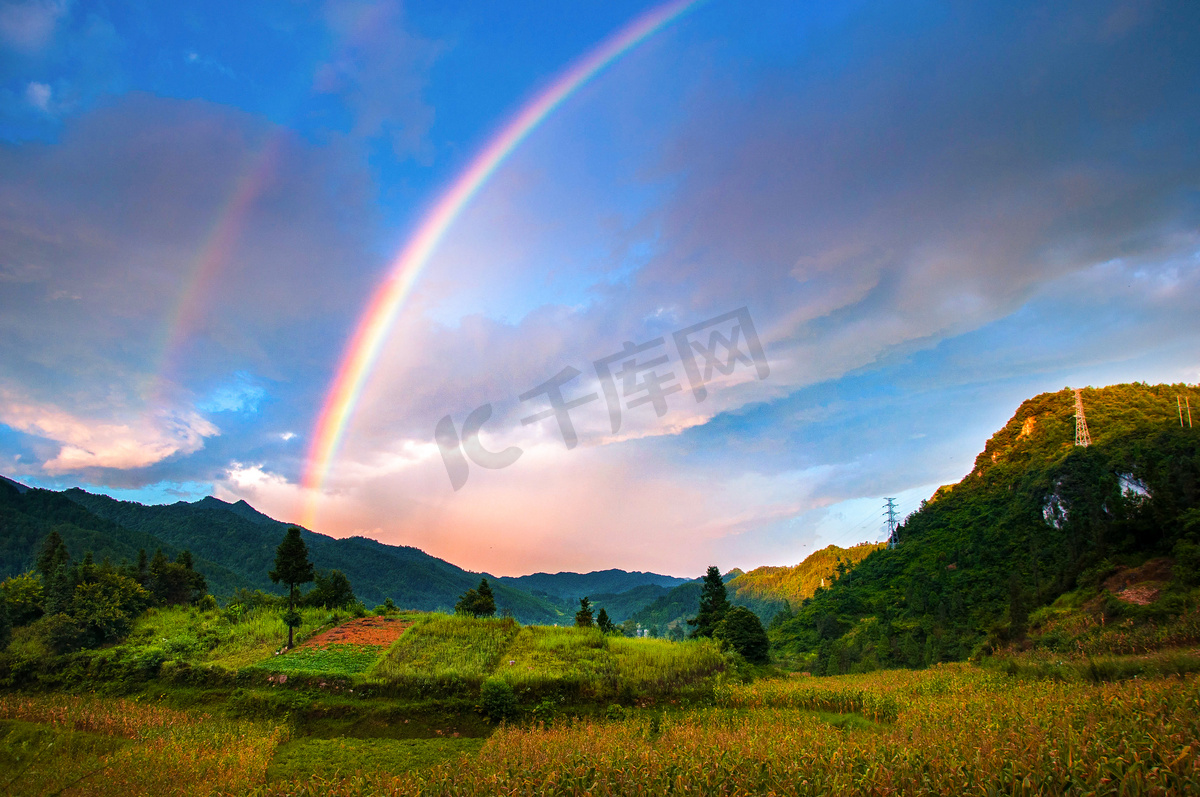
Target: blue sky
930,211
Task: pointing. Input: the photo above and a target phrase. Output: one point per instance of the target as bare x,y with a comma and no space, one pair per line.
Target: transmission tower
1082,438
889,511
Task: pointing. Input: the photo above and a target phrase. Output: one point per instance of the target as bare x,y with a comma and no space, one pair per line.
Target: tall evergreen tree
583,617
604,623
714,603
54,563
292,567
485,604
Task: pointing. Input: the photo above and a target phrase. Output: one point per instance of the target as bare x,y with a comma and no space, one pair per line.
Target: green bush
741,630
497,700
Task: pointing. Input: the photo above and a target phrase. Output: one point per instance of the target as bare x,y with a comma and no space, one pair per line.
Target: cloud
128,224
90,443
29,26
38,95
380,71
910,214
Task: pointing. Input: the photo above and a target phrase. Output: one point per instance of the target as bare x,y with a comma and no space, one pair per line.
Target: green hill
795,584
28,515
1037,517
573,586
234,546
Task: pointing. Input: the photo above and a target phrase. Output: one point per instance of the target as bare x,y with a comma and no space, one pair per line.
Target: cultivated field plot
348,649
84,745
949,730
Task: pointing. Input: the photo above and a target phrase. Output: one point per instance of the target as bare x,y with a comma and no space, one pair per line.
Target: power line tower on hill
1082,437
890,511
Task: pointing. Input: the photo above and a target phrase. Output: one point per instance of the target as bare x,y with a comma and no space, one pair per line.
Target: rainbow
213,254
376,322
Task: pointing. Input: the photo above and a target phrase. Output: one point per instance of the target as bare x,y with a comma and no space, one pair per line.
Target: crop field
950,730
91,746
444,652
351,648
586,663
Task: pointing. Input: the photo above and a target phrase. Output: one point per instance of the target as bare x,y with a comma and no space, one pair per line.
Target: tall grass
169,752
955,731
443,654
216,637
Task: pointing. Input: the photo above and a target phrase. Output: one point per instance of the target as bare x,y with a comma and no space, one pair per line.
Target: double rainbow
376,322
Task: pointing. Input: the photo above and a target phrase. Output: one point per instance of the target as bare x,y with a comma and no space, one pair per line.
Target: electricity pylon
1082,437
890,512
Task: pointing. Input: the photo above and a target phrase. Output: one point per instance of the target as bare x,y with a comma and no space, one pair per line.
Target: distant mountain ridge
572,586
234,546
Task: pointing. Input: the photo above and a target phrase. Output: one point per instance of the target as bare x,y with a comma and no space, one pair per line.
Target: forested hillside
28,516
1036,517
796,583
234,547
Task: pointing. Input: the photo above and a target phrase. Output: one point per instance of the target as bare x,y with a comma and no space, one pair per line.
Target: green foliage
497,700
1036,518
793,585
741,631
583,617
306,758
106,608
292,566
23,597
478,602
331,591
605,625
174,583
714,603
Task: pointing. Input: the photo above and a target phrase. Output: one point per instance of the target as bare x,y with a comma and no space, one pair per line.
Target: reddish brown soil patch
1154,570
363,631
1142,594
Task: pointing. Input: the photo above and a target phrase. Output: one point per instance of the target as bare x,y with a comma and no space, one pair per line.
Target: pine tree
583,617
485,603
54,563
604,623
714,603
292,568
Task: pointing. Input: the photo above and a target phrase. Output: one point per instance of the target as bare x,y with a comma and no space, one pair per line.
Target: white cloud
104,443
38,95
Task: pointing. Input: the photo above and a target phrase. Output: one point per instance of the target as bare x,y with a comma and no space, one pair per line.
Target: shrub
497,700
742,631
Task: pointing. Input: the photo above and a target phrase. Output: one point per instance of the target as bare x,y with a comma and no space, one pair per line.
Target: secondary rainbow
376,322
215,253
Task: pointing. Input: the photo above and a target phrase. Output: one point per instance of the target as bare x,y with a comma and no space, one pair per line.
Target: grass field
214,637
952,729
51,744
956,730
444,653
